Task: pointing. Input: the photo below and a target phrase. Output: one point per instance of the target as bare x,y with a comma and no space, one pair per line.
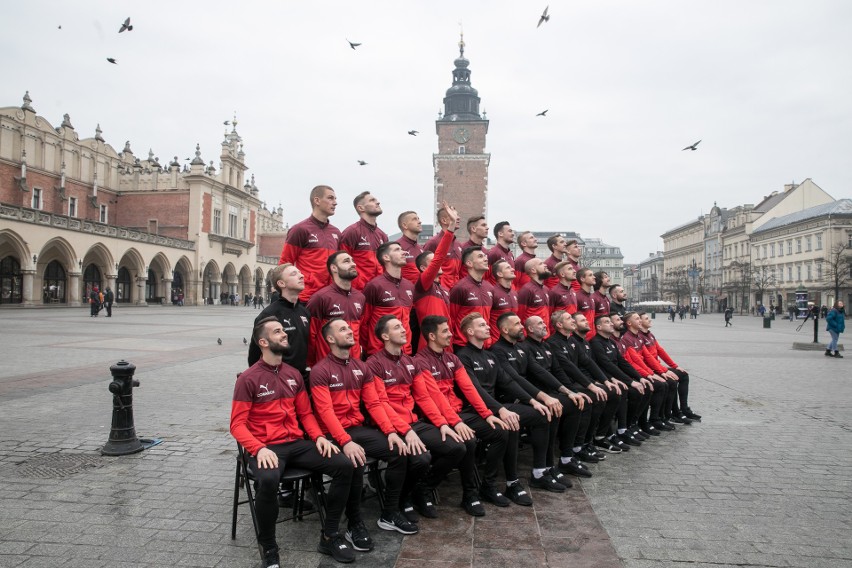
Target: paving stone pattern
764,481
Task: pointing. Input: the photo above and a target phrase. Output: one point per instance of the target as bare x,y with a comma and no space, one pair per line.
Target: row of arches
56,274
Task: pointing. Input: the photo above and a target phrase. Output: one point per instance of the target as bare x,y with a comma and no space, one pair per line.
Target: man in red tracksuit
452,267
463,395
362,238
387,294
310,242
338,385
528,244
505,236
470,294
562,295
679,413
600,296
533,297
638,356
415,399
585,302
410,225
337,300
504,298
558,247
270,415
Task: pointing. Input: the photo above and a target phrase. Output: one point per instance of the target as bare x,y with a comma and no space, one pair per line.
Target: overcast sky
766,85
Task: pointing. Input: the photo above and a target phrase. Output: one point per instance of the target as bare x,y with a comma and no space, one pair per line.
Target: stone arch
229,280
245,285
159,272
11,244
98,265
130,268
211,282
259,282
181,277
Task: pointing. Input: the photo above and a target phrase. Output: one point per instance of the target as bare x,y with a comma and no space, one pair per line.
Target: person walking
835,321
109,297
729,312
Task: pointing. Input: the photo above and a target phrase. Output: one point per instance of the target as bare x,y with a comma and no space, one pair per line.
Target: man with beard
477,228
680,412
310,242
504,298
574,405
452,267
470,294
636,417
572,255
606,354
465,398
558,247
387,294
617,296
599,296
505,237
585,302
362,238
288,282
337,300
338,385
414,398
533,298
410,225
501,384
528,244
270,415
562,295
635,353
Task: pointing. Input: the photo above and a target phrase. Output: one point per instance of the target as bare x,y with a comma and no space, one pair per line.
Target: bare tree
839,267
675,285
740,283
762,279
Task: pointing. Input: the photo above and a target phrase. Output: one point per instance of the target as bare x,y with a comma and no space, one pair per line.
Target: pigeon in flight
352,44
245,341
112,60
362,163
543,113
413,132
544,17
692,147
126,27
219,341
59,28
227,123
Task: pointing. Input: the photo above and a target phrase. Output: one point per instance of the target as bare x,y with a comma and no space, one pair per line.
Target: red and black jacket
467,296
309,244
453,381
361,240
386,295
329,303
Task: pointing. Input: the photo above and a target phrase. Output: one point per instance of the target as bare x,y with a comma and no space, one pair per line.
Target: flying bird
544,17
59,28
543,113
693,147
126,27
219,341
352,44
112,60
413,132
362,163
227,123
245,341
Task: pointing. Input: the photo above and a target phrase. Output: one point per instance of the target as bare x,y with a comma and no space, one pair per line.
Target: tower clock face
461,135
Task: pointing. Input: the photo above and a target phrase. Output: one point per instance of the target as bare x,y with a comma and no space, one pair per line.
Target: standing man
558,247
600,296
533,297
387,294
270,415
477,228
528,244
452,267
362,238
109,297
470,294
585,302
310,242
505,237
835,324
562,295
617,296
572,254
338,385
288,282
94,302
338,300
410,225
504,298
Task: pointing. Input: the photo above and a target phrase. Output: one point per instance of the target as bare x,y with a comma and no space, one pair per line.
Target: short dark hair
582,272
332,259
402,217
613,288
600,317
551,241
258,332
382,325
430,324
495,268
358,198
383,250
327,326
467,252
474,219
641,313
570,242
421,258
318,192
499,227
503,317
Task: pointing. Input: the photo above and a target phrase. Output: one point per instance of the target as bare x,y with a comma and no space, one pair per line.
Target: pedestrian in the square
108,299
94,302
835,324
729,313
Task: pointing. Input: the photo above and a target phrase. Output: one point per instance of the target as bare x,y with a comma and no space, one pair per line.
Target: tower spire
462,100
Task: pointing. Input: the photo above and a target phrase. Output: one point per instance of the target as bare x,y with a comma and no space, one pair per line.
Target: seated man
414,398
464,398
270,414
338,385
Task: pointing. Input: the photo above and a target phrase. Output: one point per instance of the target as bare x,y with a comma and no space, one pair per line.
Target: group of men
437,358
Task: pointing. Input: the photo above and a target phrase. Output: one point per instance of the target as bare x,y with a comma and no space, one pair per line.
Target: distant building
629,283
649,276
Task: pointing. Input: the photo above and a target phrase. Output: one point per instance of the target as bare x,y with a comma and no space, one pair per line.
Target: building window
10,281
764,251
104,214
72,206
790,246
819,270
808,244
819,242
217,221
809,271
245,229
798,245
772,250
789,273
461,149
781,248
36,198
799,272
232,221
780,274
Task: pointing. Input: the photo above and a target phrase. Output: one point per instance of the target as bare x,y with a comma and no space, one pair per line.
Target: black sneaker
629,439
560,477
684,419
669,423
492,495
828,353
650,430
575,467
473,506
423,502
691,415
397,522
270,558
546,482
594,451
586,456
616,441
358,535
519,495
337,548
408,511
662,426
837,355
607,446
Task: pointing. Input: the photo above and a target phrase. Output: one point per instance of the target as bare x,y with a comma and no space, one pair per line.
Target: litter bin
767,322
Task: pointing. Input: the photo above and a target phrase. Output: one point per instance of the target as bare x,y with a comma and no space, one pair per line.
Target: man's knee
267,479
418,464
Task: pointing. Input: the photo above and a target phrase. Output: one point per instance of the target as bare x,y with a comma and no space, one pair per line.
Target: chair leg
375,473
236,502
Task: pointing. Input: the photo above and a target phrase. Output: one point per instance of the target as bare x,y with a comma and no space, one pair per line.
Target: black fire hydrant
122,436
